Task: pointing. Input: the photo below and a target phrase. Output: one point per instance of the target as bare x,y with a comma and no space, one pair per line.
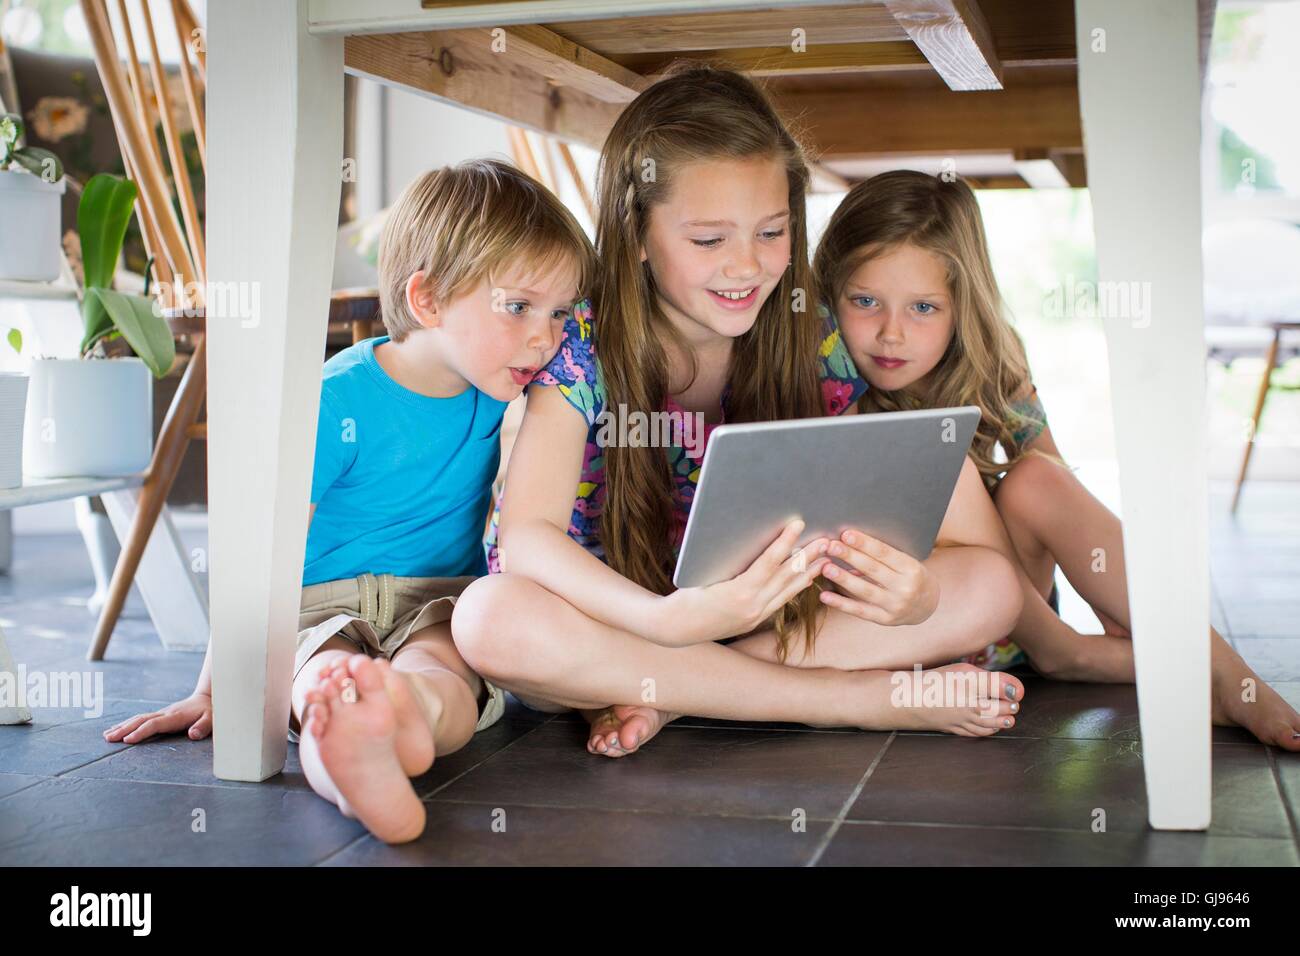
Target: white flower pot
13,402
30,252
88,417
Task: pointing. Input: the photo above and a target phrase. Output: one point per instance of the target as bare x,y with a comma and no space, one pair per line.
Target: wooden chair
178,254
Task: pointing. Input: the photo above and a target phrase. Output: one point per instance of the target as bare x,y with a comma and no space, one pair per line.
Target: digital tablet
890,474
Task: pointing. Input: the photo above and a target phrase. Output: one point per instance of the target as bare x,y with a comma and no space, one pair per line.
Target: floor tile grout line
834,828
1282,795
532,730
427,797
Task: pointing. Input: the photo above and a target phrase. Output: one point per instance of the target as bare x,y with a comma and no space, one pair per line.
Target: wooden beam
348,17
1037,169
782,61
1031,34
459,67
955,38
1072,166
772,29
934,121
568,64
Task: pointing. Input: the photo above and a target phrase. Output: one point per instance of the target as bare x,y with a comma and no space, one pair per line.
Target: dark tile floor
705,792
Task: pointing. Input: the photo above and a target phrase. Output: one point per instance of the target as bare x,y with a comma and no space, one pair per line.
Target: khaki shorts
378,614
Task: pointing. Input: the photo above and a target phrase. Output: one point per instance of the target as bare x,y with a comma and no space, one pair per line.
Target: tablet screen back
890,474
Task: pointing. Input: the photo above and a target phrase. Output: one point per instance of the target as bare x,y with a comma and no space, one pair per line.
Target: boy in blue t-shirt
479,267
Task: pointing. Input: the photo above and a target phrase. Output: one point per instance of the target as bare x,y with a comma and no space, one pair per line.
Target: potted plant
13,402
93,415
31,188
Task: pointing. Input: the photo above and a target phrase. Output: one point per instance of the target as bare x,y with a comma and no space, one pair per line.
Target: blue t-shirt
402,482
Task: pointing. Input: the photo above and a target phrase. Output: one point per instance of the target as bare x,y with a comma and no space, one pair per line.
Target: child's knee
493,629
999,596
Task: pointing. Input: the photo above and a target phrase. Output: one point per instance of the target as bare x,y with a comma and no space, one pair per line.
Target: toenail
1015,708
1007,722
1011,690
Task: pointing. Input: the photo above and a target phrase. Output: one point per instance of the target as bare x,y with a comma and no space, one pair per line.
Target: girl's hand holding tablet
885,585
738,606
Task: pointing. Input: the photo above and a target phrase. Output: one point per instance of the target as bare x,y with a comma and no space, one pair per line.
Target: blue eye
561,315
774,234
510,307
706,243
925,308
863,301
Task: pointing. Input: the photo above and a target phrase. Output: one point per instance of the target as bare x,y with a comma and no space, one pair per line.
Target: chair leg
167,455
1269,364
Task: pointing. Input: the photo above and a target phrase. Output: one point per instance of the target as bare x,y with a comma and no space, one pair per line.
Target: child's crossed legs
368,725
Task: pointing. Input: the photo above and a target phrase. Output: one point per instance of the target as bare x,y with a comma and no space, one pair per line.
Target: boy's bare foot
354,738
1268,716
413,740
620,730
959,699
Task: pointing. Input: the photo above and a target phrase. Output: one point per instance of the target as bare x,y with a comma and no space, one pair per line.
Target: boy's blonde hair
461,224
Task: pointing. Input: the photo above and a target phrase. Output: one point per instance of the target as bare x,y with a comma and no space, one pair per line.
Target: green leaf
102,217
40,162
15,340
144,330
96,320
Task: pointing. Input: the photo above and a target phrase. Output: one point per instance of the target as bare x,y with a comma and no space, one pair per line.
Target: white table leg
275,134
6,540
1140,94
168,582
10,711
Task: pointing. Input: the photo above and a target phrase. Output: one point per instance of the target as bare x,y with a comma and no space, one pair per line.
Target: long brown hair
985,362
695,113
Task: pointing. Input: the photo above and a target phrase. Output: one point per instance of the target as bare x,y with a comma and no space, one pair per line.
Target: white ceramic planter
13,403
88,417
31,251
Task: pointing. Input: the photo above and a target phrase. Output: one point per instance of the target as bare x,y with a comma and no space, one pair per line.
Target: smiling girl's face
895,314
720,244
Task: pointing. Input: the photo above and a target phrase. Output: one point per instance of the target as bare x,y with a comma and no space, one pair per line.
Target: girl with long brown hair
905,266
706,310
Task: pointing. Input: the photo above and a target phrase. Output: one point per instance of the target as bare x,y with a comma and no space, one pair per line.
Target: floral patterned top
575,371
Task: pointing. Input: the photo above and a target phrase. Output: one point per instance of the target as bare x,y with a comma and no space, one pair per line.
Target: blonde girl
705,305
905,267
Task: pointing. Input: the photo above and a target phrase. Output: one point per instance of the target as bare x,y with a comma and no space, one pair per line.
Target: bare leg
1051,518
1042,525
979,596
531,641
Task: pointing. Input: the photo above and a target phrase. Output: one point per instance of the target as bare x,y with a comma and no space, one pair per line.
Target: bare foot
413,738
1268,716
620,730
959,699
355,740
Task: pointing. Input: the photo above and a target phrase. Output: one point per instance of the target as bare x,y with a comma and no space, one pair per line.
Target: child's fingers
865,562
856,587
792,582
859,609
201,727
776,553
119,730
884,556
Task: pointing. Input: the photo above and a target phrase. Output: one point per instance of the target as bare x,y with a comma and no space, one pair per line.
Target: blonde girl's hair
985,362
695,114
462,224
